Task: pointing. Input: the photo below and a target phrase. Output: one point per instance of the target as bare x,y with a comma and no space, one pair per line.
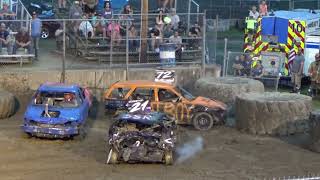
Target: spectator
257,70
263,8
254,13
114,32
182,28
167,31
62,4
23,40
6,13
156,37
127,10
164,4
194,34
297,70
237,66
35,33
126,17
133,42
97,24
246,63
107,12
159,20
174,19
177,40
86,28
75,13
4,37
89,5
314,72
59,38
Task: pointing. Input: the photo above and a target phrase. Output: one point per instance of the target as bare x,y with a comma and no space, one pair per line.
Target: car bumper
50,132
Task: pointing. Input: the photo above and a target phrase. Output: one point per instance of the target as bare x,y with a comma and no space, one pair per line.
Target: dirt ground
227,154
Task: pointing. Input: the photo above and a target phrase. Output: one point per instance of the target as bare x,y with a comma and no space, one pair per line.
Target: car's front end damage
142,138
40,121
51,130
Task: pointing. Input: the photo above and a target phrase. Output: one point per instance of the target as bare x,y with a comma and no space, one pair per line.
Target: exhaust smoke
189,149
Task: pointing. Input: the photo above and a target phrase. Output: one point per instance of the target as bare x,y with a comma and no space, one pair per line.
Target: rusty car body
203,113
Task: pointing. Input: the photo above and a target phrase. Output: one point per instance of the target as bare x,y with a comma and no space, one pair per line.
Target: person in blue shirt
35,33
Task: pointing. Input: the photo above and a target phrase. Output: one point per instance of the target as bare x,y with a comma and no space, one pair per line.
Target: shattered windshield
184,93
56,99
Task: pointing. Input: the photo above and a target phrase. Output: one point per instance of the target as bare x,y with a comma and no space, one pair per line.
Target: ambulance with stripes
285,32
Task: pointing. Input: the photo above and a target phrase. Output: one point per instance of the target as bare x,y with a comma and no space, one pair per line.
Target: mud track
227,154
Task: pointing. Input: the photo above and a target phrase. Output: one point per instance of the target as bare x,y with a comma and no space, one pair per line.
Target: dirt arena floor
226,154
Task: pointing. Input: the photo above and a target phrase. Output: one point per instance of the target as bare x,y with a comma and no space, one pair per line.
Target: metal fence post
225,57
127,50
216,37
189,9
204,44
63,74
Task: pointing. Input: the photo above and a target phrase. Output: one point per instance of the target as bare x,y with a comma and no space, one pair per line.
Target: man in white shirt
86,28
174,19
254,13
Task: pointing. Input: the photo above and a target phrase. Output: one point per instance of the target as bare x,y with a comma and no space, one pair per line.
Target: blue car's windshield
184,93
56,99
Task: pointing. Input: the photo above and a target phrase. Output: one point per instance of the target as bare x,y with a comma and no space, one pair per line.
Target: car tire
203,121
168,158
81,135
7,104
112,157
45,33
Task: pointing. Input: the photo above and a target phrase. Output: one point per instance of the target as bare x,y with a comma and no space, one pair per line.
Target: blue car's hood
35,113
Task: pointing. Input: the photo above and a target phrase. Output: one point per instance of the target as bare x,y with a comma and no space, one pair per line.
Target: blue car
57,111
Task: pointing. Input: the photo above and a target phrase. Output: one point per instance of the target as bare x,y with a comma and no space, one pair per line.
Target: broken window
119,93
143,94
167,96
56,99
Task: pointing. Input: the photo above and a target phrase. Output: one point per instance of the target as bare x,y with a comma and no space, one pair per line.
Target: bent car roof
147,119
58,87
142,83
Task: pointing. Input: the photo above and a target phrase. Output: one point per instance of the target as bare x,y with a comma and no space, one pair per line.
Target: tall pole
189,10
203,64
144,31
64,53
127,50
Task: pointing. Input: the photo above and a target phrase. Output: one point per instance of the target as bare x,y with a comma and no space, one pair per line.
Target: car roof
143,83
58,87
155,118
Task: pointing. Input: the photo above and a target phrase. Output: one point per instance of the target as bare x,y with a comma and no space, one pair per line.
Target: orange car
201,112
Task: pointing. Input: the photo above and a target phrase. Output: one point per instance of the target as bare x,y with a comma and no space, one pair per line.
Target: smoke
189,149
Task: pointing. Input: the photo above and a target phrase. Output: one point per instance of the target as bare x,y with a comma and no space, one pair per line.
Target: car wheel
203,121
45,33
168,158
112,157
81,135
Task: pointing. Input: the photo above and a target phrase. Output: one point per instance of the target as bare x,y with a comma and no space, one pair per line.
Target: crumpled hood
66,115
209,103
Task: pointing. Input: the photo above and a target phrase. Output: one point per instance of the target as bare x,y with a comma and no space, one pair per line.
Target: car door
166,102
84,103
142,98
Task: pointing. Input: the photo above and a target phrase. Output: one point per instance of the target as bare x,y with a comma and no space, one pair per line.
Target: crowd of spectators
167,26
24,39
